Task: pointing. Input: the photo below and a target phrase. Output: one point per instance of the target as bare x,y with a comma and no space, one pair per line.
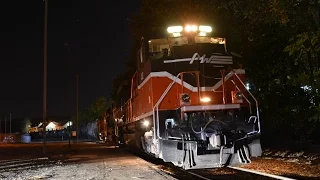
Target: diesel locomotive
190,104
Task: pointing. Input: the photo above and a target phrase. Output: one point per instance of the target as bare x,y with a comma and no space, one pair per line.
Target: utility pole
44,115
77,106
5,125
69,92
69,127
10,123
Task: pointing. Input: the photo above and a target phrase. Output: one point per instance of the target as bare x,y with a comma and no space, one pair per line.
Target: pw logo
202,59
214,59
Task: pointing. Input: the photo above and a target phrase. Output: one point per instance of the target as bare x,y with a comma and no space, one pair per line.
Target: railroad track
23,164
234,173
224,173
261,173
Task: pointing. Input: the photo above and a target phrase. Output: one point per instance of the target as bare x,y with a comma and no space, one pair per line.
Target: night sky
88,37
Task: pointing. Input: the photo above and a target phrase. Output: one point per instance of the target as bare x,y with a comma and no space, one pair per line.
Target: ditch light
205,99
175,29
205,29
146,123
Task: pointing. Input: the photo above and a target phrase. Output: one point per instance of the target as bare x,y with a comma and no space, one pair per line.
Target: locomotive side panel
142,102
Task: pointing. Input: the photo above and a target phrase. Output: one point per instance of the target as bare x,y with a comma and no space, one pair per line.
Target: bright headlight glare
205,28
205,99
146,123
174,29
192,28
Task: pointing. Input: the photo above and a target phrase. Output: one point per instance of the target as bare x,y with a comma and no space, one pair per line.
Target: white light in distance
51,125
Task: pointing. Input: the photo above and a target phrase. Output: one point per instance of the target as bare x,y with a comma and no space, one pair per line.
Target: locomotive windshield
184,46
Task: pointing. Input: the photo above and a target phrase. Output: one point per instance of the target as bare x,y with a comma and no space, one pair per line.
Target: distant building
53,124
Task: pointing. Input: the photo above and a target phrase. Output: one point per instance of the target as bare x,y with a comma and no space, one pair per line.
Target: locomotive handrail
257,106
123,106
243,96
157,106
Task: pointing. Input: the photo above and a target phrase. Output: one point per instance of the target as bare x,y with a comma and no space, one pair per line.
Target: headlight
145,123
190,28
206,29
174,29
205,99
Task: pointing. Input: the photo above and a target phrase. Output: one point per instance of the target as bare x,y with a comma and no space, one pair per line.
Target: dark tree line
94,112
279,41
